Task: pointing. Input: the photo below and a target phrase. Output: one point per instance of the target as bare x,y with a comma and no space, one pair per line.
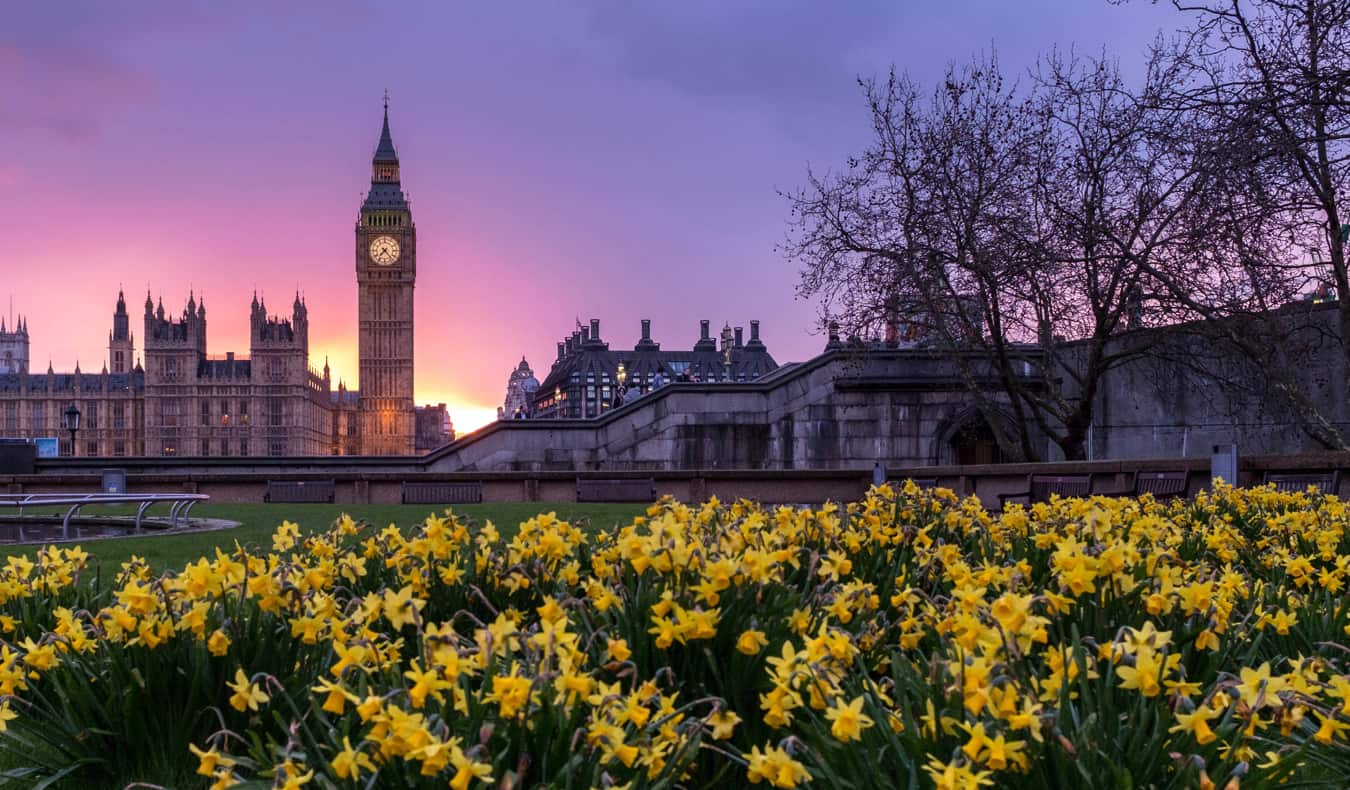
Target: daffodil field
906,640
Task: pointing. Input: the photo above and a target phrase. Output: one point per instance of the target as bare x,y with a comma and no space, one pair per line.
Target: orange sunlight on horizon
466,414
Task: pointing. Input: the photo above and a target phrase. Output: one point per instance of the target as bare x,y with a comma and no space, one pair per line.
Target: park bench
921,482
626,490
1041,487
1162,485
300,491
1326,482
458,493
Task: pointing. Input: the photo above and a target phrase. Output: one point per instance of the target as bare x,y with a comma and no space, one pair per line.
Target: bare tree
1267,82
1020,224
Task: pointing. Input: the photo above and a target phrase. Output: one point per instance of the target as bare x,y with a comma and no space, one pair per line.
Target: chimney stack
834,341
595,329
646,344
705,341
754,330
740,336
561,345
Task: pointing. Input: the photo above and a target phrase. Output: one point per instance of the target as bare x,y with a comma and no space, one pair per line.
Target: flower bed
908,640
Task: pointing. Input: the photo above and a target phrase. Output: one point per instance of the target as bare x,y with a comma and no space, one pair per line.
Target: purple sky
611,160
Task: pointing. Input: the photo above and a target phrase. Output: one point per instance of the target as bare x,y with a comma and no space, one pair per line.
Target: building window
171,369
170,447
168,412
243,446
119,448
37,416
11,418
206,446
206,412
243,412
224,446
275,407
91,449
119,416
90,418
276,447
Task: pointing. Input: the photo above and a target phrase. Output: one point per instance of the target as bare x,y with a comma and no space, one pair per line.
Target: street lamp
557,402
621,375
727,338
71,421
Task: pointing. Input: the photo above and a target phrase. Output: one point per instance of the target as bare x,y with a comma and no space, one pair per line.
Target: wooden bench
300,491
1041,487
629,490
457,493
921,482
1294,482
1162,485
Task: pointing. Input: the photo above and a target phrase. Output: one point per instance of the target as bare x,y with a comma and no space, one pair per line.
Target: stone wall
841,410
1193,390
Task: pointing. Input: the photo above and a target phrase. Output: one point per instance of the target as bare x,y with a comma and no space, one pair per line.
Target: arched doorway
974,443
966,438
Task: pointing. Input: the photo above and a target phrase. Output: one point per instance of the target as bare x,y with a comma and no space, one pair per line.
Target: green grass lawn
258,521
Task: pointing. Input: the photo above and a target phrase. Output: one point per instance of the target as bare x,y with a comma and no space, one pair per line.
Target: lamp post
71,420
727,338
557,401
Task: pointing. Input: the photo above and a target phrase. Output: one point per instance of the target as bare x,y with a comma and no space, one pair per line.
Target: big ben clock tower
386,268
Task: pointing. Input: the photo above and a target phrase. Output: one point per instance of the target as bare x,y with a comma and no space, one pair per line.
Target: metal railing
180,505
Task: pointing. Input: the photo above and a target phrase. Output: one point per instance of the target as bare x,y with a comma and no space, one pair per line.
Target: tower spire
384,151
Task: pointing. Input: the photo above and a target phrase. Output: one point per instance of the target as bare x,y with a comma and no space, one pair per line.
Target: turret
120,340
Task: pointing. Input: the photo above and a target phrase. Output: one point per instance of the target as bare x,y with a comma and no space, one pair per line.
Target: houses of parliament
182,401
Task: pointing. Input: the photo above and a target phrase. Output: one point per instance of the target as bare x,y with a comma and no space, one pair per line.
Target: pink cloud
70,94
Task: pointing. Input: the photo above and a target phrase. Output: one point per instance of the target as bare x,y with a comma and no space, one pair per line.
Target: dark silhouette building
587,374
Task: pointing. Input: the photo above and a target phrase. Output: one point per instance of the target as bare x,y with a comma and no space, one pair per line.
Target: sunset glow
183,149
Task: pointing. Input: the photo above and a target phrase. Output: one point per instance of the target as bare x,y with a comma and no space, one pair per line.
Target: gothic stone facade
183,402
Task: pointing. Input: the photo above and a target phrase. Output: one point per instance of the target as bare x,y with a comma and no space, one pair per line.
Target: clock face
384,250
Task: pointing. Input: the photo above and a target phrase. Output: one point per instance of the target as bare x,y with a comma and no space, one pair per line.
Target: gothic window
206,446
119,416
119,448
276,447
243,446
275,406
91,449
224,446
90,418
243,413
168,412
206,413
170,447
37,416
11,418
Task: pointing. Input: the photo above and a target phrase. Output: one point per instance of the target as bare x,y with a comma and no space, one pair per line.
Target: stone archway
967,438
